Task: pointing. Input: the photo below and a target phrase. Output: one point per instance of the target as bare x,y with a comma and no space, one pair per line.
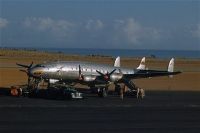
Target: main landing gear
134,91
140,93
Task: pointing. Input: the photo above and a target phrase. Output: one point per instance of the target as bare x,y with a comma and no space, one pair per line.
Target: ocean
163,54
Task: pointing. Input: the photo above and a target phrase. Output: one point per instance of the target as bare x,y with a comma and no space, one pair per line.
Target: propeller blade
79,72
112,72
22,65
31,64
25,66
23,71
120,71
100,73
107,73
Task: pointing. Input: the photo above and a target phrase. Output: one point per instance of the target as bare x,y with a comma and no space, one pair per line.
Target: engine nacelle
53,81
116,76
89,78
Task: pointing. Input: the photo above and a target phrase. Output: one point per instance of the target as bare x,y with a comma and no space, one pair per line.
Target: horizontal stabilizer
149,73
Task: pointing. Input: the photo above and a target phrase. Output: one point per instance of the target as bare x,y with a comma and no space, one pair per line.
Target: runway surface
165,112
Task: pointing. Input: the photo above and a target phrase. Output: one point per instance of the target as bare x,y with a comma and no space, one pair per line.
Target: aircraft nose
36,72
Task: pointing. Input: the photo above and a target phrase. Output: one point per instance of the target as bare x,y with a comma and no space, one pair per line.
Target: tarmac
159,111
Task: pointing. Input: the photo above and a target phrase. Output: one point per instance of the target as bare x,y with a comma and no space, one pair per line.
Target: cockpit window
39,65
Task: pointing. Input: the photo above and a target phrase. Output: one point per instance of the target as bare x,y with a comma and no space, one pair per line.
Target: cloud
196,32
59,28
133,32
92,31
3,22
64,30
94,24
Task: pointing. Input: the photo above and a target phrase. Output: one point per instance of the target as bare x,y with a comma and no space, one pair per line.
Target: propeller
107,75
26,71
80,73
25,66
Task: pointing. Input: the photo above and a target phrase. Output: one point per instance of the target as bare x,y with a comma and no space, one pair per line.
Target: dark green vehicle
63,92
57,92
71,93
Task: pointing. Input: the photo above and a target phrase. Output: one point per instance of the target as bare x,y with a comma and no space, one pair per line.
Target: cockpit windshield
39,65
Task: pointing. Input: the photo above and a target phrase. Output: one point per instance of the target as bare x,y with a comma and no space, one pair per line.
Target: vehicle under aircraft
96,76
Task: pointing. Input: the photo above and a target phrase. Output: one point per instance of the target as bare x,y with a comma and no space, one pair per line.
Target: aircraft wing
149,73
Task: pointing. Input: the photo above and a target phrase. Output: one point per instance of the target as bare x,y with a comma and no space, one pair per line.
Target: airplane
98,76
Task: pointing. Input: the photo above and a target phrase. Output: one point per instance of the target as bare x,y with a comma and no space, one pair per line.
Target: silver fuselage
69,70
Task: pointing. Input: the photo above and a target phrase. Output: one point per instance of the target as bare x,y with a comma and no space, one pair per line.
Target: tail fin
117,62
171,67
142,64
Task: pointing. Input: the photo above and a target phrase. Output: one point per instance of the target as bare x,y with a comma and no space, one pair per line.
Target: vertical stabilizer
171,67
142,64
117,62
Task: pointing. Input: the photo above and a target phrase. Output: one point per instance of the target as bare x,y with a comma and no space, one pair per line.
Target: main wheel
140,93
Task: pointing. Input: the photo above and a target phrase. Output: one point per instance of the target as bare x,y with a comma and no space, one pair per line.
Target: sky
105,24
